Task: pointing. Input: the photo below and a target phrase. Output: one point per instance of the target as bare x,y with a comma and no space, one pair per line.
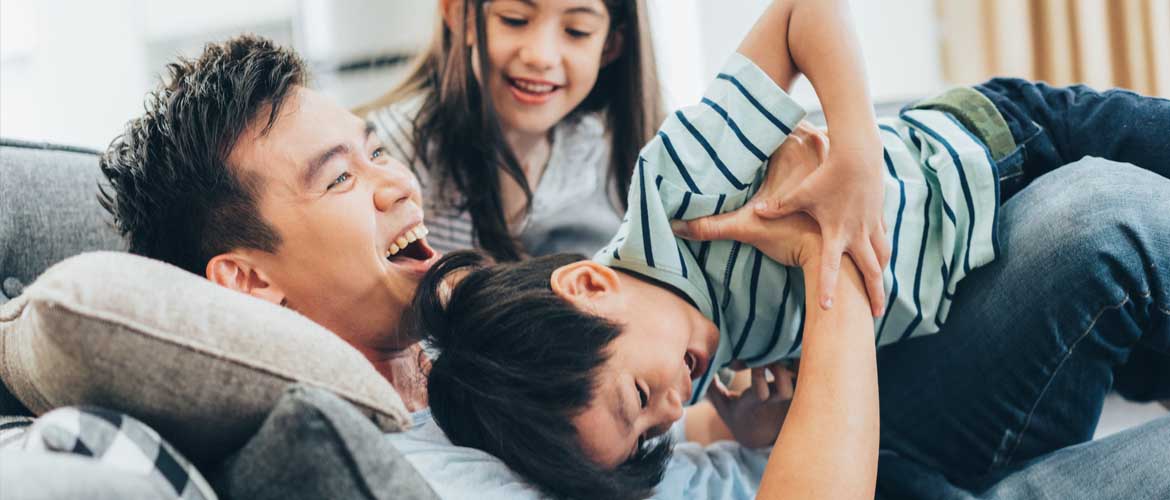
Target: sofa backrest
48,210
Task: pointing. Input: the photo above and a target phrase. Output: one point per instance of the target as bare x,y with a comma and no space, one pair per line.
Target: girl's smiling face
545,57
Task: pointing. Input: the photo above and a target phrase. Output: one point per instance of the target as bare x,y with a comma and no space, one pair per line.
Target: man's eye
515,22
643,397
340,179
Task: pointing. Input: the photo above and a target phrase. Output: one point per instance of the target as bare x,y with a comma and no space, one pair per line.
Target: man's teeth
535,88
411,236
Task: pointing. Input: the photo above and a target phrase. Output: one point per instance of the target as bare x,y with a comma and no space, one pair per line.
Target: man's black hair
171,191
516,362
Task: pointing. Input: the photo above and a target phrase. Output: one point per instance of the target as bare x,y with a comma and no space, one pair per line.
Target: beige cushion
201,364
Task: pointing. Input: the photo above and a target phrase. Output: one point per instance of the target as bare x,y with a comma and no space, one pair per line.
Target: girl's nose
540,52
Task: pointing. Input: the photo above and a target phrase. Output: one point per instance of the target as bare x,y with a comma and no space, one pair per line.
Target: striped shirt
940,206
573,206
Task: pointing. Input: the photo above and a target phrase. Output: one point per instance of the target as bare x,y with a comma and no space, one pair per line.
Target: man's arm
828,444
828,447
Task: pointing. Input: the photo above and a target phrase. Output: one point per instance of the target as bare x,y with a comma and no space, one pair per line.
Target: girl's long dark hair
457,134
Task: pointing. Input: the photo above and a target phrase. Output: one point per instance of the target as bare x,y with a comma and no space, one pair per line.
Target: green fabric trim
976,112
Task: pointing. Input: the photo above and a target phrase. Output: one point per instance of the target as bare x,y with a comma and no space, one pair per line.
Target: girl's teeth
401,242
532,87
394,248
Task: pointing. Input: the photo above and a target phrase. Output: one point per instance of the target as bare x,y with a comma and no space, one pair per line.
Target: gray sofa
48,211
313,444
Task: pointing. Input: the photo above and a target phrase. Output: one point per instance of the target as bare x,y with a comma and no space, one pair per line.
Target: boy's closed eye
643,401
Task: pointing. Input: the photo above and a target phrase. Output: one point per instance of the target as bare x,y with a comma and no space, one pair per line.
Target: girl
526,147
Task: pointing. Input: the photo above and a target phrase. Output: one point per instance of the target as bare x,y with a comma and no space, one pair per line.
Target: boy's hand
754,416
845,196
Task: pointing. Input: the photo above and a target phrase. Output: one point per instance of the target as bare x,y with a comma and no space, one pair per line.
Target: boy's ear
236,271
453,12
584,281
613,46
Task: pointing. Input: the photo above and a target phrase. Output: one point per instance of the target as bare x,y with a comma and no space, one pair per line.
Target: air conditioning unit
359,49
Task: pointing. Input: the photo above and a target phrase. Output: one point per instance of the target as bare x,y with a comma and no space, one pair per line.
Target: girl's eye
515,22
378,153
340,179
643,397
577,33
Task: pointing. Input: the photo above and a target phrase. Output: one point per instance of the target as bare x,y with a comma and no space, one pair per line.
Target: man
241,173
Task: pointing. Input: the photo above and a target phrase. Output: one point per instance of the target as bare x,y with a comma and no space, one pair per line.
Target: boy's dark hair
516,362
171,190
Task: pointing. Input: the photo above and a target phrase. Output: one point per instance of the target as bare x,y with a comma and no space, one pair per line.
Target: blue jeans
1002,402
1055,126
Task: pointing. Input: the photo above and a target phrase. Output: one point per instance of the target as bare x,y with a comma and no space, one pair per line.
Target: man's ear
585,282
613,46
236,271
453,12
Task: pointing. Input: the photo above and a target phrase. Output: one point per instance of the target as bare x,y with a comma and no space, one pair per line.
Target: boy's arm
816,37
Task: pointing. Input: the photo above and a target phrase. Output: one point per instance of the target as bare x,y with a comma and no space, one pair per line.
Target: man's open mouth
410,248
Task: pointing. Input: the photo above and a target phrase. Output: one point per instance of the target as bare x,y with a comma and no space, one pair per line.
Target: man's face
349,217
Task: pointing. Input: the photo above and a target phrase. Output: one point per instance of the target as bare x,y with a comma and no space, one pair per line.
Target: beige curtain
1102,43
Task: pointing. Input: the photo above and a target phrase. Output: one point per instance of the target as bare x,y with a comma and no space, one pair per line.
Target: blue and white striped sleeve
704,160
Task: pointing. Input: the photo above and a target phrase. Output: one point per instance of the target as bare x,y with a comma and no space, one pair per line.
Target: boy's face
665,344
340,205
545,58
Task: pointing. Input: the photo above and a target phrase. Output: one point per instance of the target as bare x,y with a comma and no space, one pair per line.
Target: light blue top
574,208
942,195
722,471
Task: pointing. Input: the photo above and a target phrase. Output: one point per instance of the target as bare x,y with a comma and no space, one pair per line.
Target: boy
557,356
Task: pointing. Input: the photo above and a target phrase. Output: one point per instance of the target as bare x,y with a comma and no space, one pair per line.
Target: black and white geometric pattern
12,430
119,441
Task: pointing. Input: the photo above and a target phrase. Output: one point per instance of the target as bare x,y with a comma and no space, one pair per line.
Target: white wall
73,71
77,77
898,37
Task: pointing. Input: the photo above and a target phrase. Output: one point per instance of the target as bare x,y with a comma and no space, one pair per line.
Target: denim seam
1158,307
1011,176
1068,353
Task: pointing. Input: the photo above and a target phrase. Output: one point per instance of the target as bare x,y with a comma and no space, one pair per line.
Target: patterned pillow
118,441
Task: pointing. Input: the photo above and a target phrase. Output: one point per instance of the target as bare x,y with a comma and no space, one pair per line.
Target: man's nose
392,188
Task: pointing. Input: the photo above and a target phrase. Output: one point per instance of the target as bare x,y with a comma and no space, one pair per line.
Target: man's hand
845,196
754,415
788,240
806,176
